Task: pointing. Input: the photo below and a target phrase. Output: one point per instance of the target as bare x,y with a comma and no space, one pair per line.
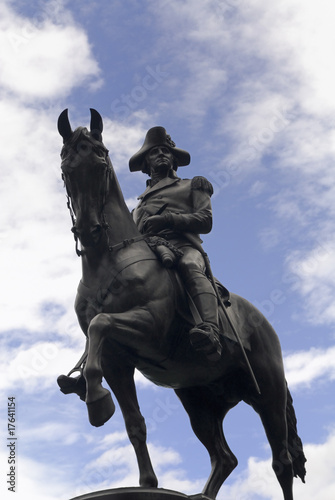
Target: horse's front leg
99,402
109,336
119,373
132,329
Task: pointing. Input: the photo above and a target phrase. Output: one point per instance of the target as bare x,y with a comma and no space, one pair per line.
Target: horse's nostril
74,230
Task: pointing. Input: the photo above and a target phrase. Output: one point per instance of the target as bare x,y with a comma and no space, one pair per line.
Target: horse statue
133,312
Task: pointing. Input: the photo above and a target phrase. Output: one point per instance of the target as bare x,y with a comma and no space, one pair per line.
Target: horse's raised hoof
101,410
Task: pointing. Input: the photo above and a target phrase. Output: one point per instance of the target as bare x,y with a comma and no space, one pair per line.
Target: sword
198,246
161,210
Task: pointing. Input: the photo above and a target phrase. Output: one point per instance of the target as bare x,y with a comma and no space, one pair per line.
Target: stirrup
72,385
205,338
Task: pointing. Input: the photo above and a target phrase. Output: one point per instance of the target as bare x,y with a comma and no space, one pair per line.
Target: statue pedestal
139,494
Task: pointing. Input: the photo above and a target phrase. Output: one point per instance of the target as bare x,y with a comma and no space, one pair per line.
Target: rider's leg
204,336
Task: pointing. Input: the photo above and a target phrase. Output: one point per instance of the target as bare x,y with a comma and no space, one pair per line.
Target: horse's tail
295,446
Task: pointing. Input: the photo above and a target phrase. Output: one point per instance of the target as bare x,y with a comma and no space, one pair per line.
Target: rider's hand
155,224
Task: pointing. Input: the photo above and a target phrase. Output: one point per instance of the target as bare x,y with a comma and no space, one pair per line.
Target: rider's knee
190,262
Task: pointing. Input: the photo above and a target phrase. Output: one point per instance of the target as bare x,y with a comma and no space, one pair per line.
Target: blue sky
248,89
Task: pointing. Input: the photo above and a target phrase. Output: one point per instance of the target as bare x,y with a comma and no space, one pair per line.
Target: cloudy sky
247,87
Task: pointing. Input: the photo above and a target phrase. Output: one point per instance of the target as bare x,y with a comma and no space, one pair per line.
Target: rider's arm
199,218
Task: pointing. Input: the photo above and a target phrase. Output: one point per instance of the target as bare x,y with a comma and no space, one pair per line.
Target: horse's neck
118,217
121,227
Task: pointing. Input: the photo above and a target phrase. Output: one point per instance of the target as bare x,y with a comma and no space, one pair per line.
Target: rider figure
179,210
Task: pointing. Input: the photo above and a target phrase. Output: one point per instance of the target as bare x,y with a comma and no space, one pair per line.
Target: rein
73,217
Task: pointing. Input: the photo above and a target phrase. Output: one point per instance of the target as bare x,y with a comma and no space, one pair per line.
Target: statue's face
159,159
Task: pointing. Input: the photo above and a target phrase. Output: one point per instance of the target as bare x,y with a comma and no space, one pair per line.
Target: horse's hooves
101,410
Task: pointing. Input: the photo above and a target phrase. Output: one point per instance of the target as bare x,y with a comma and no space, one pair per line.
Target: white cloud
37,258
123,141
117,467
249,62
112,439
312,274
304,31
48,433
259,481
43,58
132,202
35,365
36,479
307,367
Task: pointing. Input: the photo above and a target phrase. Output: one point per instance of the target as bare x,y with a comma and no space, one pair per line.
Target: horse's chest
118,288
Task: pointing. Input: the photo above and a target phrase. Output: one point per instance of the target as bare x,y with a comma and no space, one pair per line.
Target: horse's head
86,170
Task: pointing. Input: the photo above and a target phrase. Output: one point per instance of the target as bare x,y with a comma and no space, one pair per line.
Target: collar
167,181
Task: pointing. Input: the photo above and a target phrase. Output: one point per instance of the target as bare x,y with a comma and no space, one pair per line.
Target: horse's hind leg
206,417
120,377
274,421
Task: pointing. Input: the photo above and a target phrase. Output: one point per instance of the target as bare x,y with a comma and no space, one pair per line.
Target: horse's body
127,307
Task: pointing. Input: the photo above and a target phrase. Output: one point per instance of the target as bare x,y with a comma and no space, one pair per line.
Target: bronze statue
135,313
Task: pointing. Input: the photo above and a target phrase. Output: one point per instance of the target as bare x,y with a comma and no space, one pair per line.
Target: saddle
168,254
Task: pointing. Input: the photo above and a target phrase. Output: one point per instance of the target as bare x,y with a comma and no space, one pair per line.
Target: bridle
96,128
69,203
73,217
104,223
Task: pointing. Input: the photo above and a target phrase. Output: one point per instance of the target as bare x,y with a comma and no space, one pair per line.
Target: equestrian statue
148,300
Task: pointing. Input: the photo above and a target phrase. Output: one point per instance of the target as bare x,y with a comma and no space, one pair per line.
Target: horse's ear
64,127
96,125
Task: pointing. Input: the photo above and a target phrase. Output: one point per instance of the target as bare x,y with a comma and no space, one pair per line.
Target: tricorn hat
157,136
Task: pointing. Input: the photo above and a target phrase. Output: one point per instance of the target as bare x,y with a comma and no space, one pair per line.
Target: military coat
188,204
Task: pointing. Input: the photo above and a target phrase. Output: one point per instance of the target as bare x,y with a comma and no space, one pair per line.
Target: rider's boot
73,385
205,335
205,338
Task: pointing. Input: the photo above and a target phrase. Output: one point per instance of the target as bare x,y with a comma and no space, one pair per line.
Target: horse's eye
84,148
